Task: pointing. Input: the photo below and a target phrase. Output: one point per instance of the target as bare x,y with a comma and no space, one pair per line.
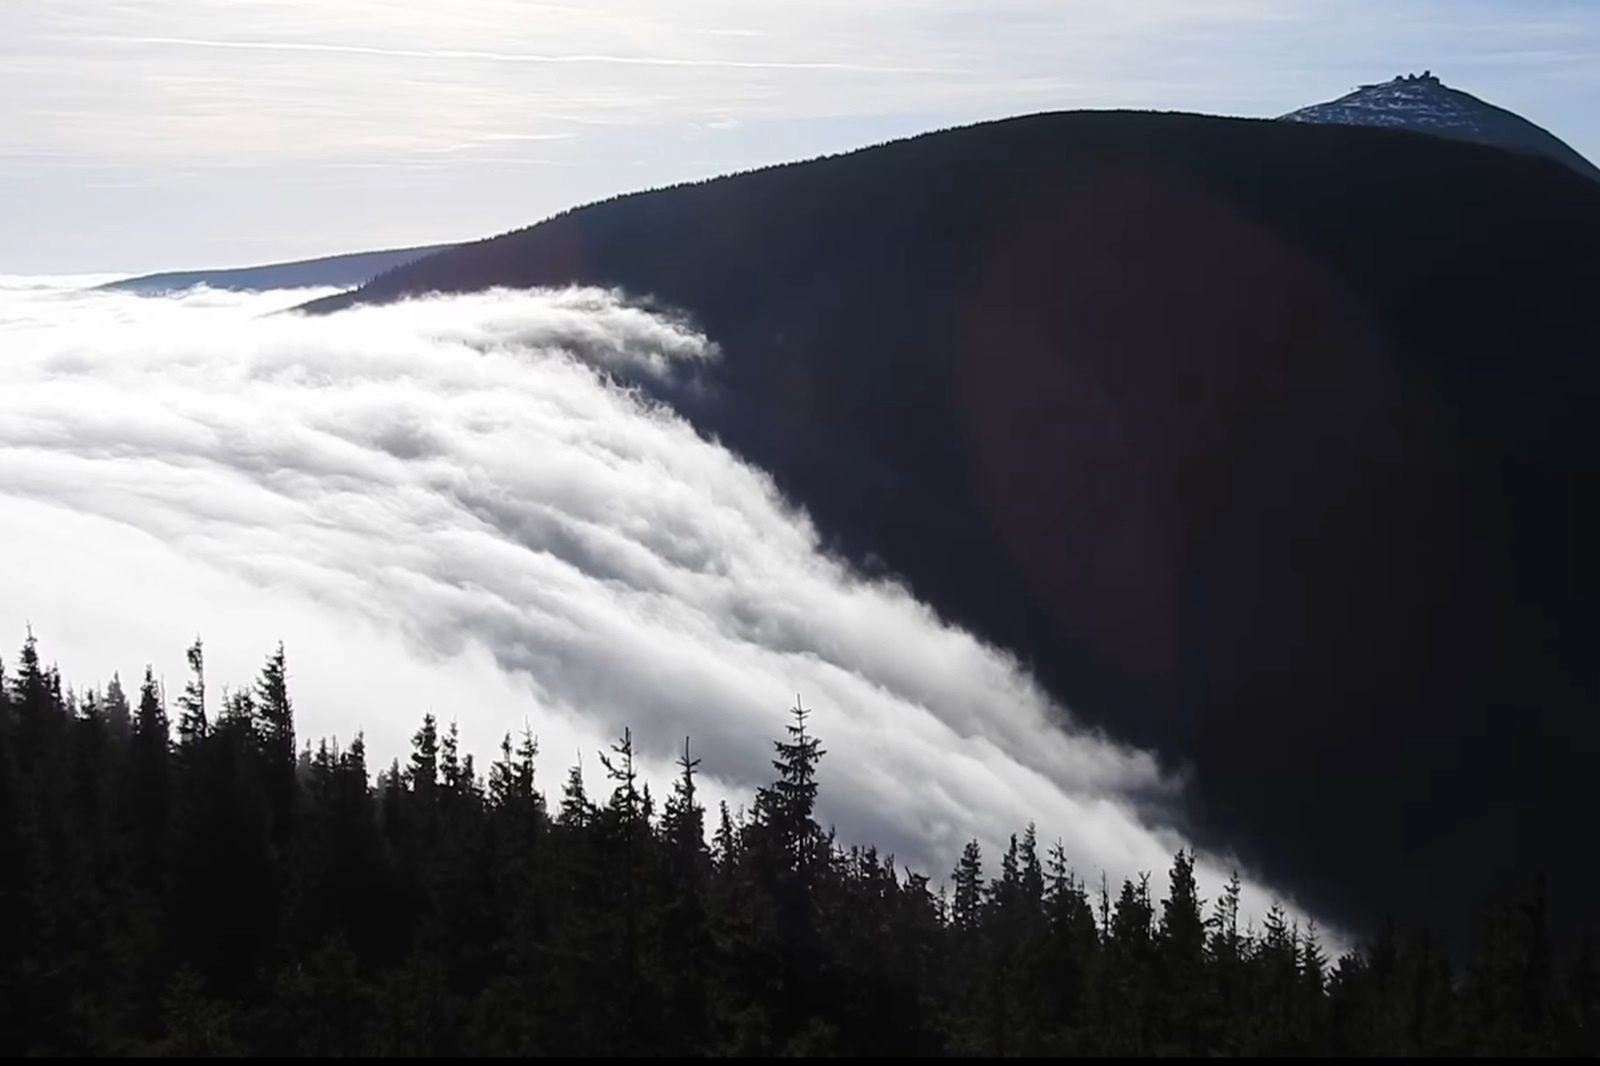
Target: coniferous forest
183,878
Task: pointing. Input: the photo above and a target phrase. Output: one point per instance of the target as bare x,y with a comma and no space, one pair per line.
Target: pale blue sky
187,133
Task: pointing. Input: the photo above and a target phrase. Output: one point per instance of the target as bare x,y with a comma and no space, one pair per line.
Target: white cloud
447,505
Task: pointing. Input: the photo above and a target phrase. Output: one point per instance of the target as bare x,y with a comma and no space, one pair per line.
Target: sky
138,135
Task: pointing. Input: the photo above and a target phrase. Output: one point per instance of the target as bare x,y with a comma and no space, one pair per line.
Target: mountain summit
1421,102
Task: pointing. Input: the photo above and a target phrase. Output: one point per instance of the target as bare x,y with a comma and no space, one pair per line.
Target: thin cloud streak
527,57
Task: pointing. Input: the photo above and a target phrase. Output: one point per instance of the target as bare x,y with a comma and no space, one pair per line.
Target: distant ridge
355,268
1424,104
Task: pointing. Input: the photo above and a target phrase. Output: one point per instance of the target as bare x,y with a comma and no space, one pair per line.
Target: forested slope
187,877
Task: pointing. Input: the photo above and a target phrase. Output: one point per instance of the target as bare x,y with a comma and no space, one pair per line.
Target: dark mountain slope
1426,105
353,269
1267,443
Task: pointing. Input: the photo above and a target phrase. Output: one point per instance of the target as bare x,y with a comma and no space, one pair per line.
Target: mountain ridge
1203,418
344,270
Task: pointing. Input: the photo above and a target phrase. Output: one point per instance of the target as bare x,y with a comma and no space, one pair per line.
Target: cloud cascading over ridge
450,504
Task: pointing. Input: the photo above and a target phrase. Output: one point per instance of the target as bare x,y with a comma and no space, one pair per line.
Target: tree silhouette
155,900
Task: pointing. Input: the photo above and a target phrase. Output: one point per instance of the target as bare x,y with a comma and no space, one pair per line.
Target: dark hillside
1269,444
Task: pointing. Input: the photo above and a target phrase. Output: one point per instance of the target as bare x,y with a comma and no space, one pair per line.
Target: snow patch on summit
1422,103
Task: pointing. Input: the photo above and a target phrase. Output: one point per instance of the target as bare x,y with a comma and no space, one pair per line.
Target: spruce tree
1182,928
1032,869
451,770
1182,953
1225,953
423,772
968,893
148,796
687,935
787,806
527,753
1072,945
726,847
192,723
34,705
576,810
119,715
1313,989
683,822
274,724
502,775
625,821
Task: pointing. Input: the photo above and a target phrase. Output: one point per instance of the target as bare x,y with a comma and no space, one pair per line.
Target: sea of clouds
453,505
